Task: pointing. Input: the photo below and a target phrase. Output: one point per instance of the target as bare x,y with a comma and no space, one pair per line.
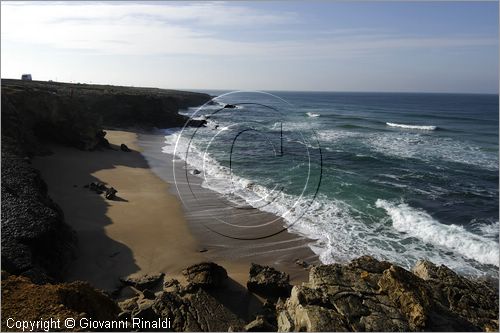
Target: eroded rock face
371,295
267,281
35,240
30,114
72,113
206,274
475,301
196,310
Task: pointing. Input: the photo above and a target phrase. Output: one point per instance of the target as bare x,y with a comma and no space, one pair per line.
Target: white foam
332,135
417,127
489,230
312,114
430,148
419,224
340,232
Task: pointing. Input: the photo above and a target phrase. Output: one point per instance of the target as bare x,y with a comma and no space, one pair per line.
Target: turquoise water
397,176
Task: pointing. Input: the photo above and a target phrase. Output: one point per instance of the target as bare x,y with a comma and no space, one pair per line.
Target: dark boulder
123,147
302,263
111,193
267,281
206,274
229,106
97,187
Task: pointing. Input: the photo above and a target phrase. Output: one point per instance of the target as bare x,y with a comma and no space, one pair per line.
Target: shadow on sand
100,260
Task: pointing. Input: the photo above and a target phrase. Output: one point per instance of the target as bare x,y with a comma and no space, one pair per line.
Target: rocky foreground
364,295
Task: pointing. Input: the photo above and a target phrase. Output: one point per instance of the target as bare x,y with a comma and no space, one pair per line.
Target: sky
281,45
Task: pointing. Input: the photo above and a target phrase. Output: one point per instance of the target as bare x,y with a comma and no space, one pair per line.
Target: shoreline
146,230
207,213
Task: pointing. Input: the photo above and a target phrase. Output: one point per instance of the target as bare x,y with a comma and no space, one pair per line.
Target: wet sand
231,233
148,229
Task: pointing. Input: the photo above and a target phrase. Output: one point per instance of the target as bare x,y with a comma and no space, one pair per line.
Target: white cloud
191,29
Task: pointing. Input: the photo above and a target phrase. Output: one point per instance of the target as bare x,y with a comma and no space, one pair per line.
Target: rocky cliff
74,114
35,240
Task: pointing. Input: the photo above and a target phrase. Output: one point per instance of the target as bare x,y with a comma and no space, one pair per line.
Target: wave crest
419,224
419,127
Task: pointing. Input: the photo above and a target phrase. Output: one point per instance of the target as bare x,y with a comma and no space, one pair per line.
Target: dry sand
145,229
142,232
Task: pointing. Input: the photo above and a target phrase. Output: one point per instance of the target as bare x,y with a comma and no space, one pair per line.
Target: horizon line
273,90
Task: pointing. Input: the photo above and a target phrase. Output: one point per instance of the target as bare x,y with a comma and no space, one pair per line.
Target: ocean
399,176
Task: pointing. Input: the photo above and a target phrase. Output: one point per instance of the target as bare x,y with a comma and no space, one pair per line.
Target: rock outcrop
206,274
371,295
189,308
474,300
23,300
267,281
143,282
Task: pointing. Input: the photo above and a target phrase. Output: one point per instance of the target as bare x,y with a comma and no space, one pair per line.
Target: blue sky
328,46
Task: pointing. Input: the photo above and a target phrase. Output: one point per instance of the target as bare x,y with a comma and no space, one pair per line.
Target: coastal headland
89,230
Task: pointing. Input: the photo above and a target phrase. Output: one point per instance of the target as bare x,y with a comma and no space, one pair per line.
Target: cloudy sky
328,46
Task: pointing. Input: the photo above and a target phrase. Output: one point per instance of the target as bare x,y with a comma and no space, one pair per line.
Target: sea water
398,176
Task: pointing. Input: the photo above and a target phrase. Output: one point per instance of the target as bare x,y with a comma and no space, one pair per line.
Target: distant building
26,77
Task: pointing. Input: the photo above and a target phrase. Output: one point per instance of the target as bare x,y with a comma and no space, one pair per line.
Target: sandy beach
142,232
145,230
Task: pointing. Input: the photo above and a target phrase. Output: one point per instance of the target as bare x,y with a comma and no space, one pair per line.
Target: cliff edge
35,240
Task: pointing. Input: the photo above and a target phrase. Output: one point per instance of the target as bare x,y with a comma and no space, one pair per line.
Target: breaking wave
419,224
338,230
418,127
